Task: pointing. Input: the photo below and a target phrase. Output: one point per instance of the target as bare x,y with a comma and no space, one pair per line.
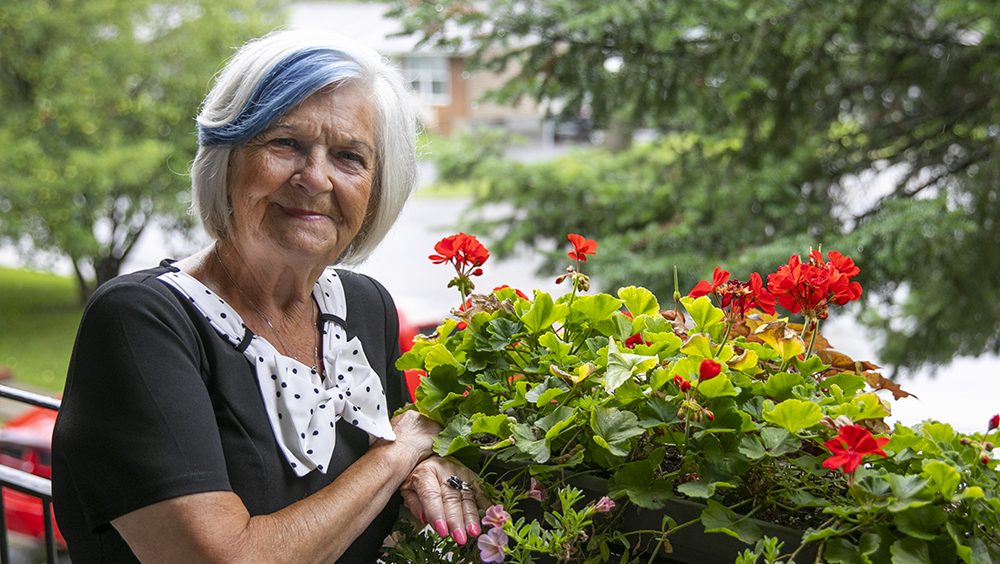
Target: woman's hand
429,496
414,433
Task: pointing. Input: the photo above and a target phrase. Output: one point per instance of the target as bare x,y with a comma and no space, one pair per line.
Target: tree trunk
619,135
105,268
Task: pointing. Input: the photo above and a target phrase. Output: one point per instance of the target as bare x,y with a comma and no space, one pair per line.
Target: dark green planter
691,545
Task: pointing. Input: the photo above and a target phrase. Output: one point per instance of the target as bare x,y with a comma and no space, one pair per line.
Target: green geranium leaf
842,551
921,522
909,491
666,344
849,383
780,385
629,393
794,415
803,498
779,442
613,428
636,479
543,313
596,308
698,344
558,427
717,387
621,326
944,478
559,349
718,518
702,312
548,395
526,442
438,356
411,360
453,437
477,401
910,551
826,532
560,414
639,301
623,366
752,448
938,432
550,383
496,425
657,412
698,490
502,332
811,365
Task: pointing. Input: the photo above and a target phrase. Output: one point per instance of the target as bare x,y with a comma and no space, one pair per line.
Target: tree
97,129
771,112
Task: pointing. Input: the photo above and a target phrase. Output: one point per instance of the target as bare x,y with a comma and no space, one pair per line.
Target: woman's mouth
307,215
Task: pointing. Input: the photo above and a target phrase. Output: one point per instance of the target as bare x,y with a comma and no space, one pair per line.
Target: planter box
691,545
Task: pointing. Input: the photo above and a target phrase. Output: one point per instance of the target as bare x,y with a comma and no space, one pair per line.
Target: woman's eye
347,155
286,142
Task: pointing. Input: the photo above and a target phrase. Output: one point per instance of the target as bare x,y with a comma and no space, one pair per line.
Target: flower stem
722,343
812,337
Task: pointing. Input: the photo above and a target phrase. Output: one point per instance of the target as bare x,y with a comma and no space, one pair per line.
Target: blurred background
677,133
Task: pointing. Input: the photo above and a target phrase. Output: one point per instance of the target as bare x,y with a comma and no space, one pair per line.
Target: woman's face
299,189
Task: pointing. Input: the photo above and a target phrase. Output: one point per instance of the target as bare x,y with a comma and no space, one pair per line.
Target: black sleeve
136,425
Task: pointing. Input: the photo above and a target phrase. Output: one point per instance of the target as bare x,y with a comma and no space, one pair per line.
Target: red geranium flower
994,422
581,247
709,369
460,249
735,297
810,287
703,288
851,446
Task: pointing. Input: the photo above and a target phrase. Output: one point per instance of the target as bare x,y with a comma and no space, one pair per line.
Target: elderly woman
236,406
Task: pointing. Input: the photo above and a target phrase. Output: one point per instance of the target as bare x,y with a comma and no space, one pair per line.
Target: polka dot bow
303,408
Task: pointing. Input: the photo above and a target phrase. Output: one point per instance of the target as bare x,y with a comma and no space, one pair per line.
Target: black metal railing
28,483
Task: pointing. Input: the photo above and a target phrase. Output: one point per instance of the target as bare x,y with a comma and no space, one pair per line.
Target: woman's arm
215,526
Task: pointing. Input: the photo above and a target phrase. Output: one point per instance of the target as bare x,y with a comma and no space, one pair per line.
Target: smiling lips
304,214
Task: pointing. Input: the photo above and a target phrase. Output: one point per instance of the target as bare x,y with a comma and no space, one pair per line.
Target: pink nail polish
474,529
441,527
420,516
459,536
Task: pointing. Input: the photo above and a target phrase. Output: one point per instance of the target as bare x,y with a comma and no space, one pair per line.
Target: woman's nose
315,173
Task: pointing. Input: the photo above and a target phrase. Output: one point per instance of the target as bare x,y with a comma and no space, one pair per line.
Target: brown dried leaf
879,382
483,303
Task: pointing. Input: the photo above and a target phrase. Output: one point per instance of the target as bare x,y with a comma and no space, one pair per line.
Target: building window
430,78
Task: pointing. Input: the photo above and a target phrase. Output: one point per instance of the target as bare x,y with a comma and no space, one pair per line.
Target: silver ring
459,485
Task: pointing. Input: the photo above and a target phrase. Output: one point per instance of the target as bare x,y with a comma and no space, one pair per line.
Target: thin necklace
288,351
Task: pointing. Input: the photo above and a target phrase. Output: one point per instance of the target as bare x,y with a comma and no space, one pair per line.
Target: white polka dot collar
302,407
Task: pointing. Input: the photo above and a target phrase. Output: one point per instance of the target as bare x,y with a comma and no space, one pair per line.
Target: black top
158,405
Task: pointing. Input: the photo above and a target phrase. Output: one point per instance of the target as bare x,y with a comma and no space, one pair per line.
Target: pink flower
537,491
492,545
604,505
496,516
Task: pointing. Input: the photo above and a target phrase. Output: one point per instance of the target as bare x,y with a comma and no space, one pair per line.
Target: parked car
26,444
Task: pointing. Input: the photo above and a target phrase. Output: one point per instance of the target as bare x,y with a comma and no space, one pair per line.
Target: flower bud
994,422
988,446
986,459
963,442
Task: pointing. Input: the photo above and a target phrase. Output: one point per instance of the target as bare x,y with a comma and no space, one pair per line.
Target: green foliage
553,389
39,316
97,129
768,110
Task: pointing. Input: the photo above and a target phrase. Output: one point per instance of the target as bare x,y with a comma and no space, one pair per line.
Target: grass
39,315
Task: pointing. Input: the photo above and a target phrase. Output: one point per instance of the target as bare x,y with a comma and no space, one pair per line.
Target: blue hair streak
292,80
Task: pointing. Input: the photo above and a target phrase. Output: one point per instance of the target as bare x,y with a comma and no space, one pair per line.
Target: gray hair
271,75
